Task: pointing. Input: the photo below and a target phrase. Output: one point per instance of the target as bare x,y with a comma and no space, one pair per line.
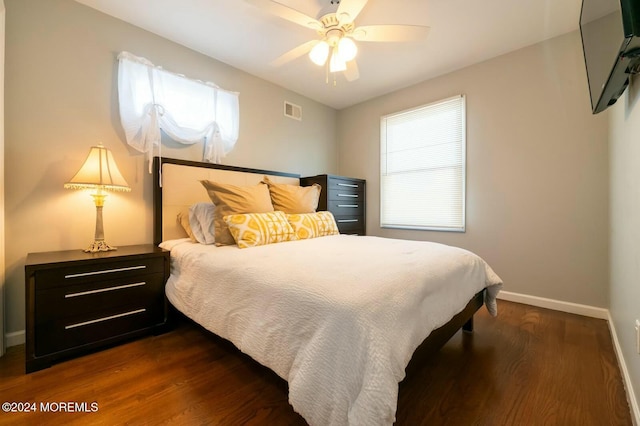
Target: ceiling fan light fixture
319,53
338,33
347,49
336,63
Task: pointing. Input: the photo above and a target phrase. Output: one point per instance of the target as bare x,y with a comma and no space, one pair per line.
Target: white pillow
201,222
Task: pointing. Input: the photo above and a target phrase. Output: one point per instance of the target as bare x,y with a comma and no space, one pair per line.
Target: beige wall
625,227
2,273
537,169
61,98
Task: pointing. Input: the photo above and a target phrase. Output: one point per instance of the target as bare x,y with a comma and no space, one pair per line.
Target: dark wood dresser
345,198
77,302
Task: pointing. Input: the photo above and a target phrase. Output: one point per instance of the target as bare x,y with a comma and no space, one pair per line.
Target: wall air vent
292,111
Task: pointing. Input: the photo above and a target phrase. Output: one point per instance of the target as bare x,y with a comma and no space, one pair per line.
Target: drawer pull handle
353,206
106,271
101,290
348,195
350,185
124,314
347,220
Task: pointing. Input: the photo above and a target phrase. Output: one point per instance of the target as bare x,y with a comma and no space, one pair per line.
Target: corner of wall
626,377
2,271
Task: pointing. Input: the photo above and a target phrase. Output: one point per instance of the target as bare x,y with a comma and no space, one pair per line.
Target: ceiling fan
337,31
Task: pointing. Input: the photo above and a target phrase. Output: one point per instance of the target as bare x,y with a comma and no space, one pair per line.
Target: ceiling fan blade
391,33
348,10
352,73
287,13
294,53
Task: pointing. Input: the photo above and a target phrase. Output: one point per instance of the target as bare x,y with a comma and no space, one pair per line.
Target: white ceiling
463,32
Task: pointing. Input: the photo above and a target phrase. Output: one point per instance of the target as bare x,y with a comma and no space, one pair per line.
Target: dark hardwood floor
528,366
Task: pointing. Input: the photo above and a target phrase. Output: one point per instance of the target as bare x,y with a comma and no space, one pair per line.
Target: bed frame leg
468,326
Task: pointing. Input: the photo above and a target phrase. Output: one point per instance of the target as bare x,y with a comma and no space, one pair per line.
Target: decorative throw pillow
201,221
197,221
183,220
312,225
231,199
293,198
258,229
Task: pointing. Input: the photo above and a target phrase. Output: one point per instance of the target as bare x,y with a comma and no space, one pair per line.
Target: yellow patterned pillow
231,199
257,229
312,225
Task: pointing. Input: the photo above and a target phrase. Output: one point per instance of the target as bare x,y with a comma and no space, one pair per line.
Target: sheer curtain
189,111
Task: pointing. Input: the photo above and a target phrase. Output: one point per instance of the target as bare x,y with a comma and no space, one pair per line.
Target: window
189,111
422,167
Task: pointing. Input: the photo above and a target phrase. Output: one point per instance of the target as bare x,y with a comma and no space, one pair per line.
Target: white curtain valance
189,111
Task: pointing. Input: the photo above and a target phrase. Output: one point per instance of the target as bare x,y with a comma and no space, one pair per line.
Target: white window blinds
189,111
422,159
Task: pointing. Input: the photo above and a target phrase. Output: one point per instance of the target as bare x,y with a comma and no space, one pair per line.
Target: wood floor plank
528,366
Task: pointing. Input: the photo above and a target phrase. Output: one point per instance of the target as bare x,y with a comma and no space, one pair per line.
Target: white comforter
337,317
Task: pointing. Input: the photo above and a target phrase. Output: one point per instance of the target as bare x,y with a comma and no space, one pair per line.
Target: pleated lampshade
99,170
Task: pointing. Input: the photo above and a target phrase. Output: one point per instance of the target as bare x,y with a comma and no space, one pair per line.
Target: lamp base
97,246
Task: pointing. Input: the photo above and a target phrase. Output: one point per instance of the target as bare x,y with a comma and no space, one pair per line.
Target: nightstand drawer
85,273
346,208
78,302
68,301
73,332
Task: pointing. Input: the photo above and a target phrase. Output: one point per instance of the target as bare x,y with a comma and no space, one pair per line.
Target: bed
341,318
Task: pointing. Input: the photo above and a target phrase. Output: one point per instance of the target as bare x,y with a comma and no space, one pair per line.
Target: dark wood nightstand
77,302
345,198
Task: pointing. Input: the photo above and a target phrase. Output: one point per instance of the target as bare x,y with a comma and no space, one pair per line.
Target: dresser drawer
339,184
74,300
346,208
343,189
96,272
350,224
345,195
345,198
73,332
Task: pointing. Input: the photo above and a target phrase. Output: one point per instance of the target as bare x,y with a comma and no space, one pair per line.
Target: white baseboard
626,378
588,311
14,339
556,305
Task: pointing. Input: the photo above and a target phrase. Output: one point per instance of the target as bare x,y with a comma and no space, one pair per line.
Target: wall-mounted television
610,31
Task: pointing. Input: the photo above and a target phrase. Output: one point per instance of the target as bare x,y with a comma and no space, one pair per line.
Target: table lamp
99,172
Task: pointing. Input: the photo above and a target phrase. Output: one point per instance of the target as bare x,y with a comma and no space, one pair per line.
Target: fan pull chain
326,69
